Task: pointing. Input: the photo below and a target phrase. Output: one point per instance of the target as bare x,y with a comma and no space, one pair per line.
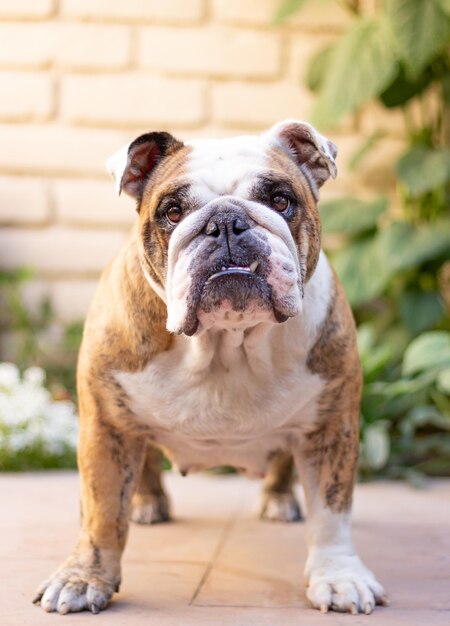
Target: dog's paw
280,507
342,583
150,509
73,588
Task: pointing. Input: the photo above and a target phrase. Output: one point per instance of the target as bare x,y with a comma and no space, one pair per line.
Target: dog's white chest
215,402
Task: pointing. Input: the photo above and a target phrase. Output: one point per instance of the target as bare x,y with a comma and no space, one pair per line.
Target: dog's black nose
229,224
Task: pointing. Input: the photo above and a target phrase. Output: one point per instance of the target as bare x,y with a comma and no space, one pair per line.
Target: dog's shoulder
125,325
334,350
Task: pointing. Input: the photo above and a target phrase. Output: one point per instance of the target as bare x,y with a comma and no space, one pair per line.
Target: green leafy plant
37,421
395,264
17,318
37,338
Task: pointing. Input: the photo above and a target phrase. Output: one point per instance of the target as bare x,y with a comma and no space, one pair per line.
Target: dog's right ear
133,164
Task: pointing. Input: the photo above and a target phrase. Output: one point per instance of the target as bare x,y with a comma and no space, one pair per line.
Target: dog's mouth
234,270
239,285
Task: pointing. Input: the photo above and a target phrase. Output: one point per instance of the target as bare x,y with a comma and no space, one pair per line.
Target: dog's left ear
307,147
133,164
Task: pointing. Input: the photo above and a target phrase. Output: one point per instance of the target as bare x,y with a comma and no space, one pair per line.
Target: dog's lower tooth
253,266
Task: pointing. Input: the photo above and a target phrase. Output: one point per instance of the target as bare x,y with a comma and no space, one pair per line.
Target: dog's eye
280,203
174,214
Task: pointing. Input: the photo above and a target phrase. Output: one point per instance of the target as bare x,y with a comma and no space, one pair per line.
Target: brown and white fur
222,338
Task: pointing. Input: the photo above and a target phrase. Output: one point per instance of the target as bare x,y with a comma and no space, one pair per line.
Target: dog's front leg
109,461
335,576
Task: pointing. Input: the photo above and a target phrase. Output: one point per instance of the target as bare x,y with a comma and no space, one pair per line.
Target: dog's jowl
220,335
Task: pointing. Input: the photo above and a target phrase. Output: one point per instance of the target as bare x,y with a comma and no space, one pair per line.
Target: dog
219,335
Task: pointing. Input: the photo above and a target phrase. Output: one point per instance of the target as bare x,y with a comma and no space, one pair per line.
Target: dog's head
229,231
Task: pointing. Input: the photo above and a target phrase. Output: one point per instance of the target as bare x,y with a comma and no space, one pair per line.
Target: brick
26,96
92,203
77,46
47,149
250,12
132,100
59,250
375,175
258,106
375,117
327,17
211,51
23,201
27,45
26,9
169,11
86,46
377,171
71,299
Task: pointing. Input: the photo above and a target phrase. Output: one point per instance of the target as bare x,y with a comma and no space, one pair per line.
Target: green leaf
403,88
402,387
376,361
376,445
350,215
366,339
420,310
415,478
427,352
421,416
443,381
421,30
405,246
397,338
286,9
424,169
12,278
318,67
442,401
363,150
445,6
361,267
362,65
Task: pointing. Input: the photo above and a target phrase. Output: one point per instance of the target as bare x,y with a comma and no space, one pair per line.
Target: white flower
59,428
19,440
9,375
34,376
29,415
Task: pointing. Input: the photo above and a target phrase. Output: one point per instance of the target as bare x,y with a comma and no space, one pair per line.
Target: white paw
73,589
280,507
150,510
341,582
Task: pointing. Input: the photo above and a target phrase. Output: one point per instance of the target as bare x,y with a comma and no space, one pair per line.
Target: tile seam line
218,549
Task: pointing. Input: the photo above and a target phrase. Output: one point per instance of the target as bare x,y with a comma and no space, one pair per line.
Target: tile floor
217,564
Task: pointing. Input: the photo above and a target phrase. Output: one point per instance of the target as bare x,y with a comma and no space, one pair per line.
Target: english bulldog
219,335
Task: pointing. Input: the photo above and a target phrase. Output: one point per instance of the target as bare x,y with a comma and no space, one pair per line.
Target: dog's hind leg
150,504
279,502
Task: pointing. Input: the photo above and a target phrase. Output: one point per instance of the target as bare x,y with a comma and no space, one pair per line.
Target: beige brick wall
78,78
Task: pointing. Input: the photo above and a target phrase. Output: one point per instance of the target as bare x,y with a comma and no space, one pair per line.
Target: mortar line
218,549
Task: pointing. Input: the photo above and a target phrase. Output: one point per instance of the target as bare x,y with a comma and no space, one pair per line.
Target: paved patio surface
217,564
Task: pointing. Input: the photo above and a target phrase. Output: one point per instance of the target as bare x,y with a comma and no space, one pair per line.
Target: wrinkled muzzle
232,264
